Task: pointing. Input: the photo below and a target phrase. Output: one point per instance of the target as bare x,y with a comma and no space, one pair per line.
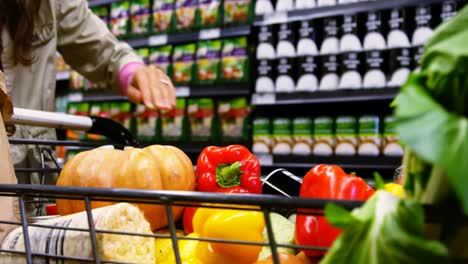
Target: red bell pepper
326,182
232,169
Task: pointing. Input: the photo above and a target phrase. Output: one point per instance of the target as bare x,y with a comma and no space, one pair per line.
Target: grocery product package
163,15
121,112
324,137
120,18
186,15
161,57
282,136
370,138
265,59
302,136
234,119
210,13
7,172
201,112
140,17
238,11
174,123
208,61
147,124
262,137
346,135
183,59
235,60
144,54
391,145
121,217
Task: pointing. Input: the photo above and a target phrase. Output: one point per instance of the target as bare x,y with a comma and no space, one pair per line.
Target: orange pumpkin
155,167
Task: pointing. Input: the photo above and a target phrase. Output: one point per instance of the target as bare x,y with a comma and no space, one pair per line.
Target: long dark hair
18,18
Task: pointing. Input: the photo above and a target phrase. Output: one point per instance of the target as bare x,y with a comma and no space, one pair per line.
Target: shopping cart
120,137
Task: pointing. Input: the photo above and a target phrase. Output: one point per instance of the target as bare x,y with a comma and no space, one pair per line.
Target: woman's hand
152,87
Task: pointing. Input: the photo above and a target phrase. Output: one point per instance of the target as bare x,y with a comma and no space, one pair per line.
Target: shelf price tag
182,91
265,159
274,18
158,40
263,99
75,97
209,33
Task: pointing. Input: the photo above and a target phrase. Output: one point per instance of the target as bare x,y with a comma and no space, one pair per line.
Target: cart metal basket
168,199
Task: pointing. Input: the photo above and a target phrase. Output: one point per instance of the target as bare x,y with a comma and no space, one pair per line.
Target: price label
75,97
182,91
274,18
263,99
64,75
209,33
158,40
265,159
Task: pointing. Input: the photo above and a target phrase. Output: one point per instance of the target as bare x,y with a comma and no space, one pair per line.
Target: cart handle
93,124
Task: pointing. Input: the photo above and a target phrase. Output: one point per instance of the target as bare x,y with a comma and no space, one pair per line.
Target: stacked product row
195,119
365,50
263,7
205,62
367,135
145,17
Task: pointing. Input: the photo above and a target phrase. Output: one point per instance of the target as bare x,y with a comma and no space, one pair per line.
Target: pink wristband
126,75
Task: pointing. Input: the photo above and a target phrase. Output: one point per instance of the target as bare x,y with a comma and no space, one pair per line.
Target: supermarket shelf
62,76
182,91
92,3
336,10
319,97
203,34
347,162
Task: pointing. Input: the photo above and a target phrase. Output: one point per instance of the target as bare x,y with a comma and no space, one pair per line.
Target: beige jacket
86,45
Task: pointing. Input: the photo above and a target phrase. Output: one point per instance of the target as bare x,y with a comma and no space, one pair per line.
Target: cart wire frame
168,199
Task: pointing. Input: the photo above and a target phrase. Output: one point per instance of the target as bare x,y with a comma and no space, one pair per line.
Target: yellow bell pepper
187,250
229,224
395,189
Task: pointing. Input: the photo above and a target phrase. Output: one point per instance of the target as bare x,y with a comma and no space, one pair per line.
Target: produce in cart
155,167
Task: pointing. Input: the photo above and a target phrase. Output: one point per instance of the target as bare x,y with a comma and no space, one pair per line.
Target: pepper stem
228,175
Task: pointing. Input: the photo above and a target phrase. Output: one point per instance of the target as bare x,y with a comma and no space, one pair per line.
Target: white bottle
263,7
304,4
330,43
349,37
424,23
398,35
284,5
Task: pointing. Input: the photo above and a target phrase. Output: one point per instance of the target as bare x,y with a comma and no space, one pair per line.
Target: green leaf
389,231
338,216
434,134
379,182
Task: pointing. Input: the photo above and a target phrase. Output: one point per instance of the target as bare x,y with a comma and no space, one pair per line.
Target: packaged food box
262,136
302,136
174,123
391,145
144,54
140,11
201,112
121,112
238,11
210,13
324,138
163,15
183,60
120,18
235,60
234,118
147,124
208,61
186,15
346,135
161,57
282,136
370,136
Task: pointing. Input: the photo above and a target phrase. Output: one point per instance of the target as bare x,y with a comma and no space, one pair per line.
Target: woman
31,33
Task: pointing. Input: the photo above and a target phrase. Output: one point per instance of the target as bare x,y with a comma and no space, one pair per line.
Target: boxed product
121,112
399,66
140,16
352,70
324,138
208,61
161,57
308,73
370,137
100,109
183,60
210,13
346,135
329,72
174,123
308,39
302,136
391,145
235,60
376,67
201,113
144,54
374,37
120,18
265,59
286,62
282,136
350,34
238,11
163,15
399,24
262,136
329,36
147,124
186,15
234,118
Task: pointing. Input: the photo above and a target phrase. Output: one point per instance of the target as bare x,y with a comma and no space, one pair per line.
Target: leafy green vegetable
385,229
431,114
